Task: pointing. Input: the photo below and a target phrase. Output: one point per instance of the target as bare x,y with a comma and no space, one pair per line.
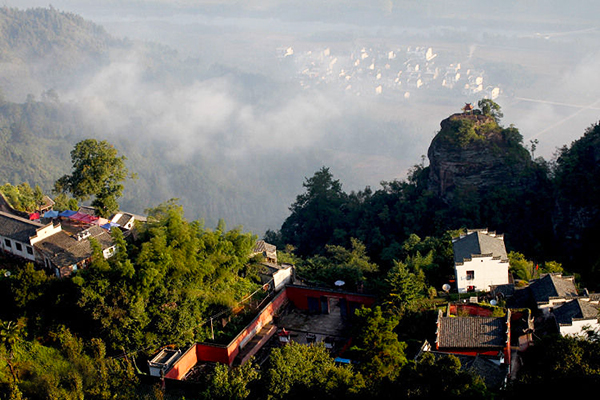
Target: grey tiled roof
125,218
488,368
262,246
471,332
63,249
17,228
575,309
553,286
478,243
594,296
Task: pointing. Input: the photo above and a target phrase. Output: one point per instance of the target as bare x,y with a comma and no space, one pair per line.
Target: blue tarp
342,360
51,214
109,225
67,213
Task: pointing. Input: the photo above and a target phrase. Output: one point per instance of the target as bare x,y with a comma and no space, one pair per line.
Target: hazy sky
563,98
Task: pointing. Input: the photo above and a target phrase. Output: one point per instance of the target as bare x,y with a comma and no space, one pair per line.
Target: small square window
18,247
470,275
7,243
29,250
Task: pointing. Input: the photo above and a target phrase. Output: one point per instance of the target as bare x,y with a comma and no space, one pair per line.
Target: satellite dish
446,287
7,274
493,302
339,283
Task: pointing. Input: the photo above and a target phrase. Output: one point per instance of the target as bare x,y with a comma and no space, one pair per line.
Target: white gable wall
45,232
486,272
579,326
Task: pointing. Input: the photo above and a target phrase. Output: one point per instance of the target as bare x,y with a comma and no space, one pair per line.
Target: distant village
494,320
394,72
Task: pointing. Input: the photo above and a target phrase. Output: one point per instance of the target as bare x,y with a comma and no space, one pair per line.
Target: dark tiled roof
125,218
17,228
594,296
575,309
262,246
553,286
506,290
488,368
478,243
87,210
63,249
471,332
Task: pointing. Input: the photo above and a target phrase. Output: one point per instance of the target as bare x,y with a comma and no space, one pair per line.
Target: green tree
491,108
376,345
97,171
406,288
521,267
351,266
299,371
63,202
232,383
556,362
316,215
432,377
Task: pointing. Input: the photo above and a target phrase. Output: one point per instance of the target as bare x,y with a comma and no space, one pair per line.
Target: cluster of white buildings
367,71
481,264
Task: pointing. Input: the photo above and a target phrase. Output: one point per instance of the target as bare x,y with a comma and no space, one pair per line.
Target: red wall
471,309
299,296
226,354
183,364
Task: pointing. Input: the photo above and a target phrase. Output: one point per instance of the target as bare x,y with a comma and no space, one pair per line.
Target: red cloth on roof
89,218
34,216
78,216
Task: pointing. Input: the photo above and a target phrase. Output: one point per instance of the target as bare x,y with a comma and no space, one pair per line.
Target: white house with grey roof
480,260
19,235
577,316
552,290
64,253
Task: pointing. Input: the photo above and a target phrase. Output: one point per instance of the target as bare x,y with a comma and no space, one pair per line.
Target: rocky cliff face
472,152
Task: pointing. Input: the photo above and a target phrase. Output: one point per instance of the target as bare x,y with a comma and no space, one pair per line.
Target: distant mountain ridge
42,49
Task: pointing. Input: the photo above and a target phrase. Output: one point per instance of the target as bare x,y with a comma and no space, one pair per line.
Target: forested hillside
42,49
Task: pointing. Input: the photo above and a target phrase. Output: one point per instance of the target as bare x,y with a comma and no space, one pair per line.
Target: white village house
480,260
50,246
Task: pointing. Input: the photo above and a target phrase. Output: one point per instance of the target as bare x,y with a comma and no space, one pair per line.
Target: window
7,243
470,275
29,250
18,246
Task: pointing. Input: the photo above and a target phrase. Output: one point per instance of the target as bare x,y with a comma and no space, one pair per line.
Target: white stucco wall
13,248
577,327
487,272
281,277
